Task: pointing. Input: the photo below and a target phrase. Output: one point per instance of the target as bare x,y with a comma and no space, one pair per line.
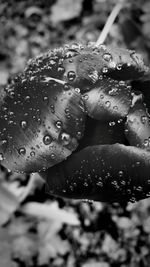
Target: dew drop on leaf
47,139
66,86
77,90
120,173
119,67
143,119
52,62
113,91
4,142
107,57
107,103
65,138
32,154
27,98
105,70
115,108
112,123
22,151
52,156
122,83
79,134
23,125
58,124
71,75
45,99
85,97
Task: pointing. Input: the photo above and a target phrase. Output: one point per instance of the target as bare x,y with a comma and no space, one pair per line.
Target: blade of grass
110,22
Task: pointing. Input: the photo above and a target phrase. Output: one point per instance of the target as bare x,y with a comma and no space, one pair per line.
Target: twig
110,22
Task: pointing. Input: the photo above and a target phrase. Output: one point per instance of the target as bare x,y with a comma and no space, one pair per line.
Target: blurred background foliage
38,229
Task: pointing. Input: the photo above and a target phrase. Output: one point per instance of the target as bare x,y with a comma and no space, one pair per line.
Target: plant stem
110,22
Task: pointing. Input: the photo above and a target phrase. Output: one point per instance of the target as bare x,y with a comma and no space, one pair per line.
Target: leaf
65,10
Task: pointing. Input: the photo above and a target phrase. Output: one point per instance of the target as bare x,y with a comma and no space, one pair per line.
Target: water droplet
120,173
99,183
144,119
75,46
11,122
79,134
22,151
71,76
11,113
67,111
58,124
112,123
122,83
1,157
4,108
120,120
115,108
45,99
4,142
39,121
133,199
71,53
52,62
77,90
86,97
47,139
101,96
61,70
104,69
114,91
123,182
107,103
23,125
119,67
66,86
32,154
139,188
27,98
107,57
85,184
65,138
52,156
126,131
146,142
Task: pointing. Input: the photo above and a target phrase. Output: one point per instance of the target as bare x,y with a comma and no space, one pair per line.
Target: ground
41,230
